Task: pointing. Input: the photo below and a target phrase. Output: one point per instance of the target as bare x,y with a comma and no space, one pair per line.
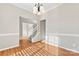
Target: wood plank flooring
36,49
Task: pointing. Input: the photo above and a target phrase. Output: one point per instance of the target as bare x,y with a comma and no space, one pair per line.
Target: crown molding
54,7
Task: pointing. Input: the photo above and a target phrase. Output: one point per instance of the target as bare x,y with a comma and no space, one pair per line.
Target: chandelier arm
38,8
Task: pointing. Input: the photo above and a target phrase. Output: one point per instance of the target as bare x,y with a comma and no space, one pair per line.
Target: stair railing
34,33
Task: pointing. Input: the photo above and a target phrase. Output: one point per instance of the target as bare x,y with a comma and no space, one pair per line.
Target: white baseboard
62,47
9,35
9,47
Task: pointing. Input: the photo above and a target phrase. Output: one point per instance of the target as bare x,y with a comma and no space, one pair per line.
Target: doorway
25,27
29,29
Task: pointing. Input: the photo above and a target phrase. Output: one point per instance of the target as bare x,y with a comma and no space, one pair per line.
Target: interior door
42,29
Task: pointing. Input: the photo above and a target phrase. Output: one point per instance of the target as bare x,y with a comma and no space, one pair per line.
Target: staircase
35,33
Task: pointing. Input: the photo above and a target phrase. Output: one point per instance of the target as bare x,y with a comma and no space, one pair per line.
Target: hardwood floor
36,49
60,51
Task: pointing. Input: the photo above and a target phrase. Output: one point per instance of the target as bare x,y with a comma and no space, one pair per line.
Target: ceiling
29,6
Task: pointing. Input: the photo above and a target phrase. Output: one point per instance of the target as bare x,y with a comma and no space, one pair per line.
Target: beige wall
9,24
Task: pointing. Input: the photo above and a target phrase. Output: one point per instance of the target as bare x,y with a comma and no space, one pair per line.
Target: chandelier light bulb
35,10
42,9
39,13
38,9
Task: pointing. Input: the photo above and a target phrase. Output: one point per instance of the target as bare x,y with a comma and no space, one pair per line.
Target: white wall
65,20
9,24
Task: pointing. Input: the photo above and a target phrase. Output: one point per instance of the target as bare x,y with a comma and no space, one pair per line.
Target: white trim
9,34
54,7
61,34
61,47
9,47
69,49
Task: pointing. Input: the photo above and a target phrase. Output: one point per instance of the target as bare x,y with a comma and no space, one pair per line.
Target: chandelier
38,9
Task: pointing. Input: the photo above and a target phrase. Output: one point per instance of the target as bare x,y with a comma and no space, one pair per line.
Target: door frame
21,21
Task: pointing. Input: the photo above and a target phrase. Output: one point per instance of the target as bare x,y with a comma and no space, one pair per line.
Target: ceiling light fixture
38,9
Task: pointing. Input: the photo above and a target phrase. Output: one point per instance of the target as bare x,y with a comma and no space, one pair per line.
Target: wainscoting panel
9,40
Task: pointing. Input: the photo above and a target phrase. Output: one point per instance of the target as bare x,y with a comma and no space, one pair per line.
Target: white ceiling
29,6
